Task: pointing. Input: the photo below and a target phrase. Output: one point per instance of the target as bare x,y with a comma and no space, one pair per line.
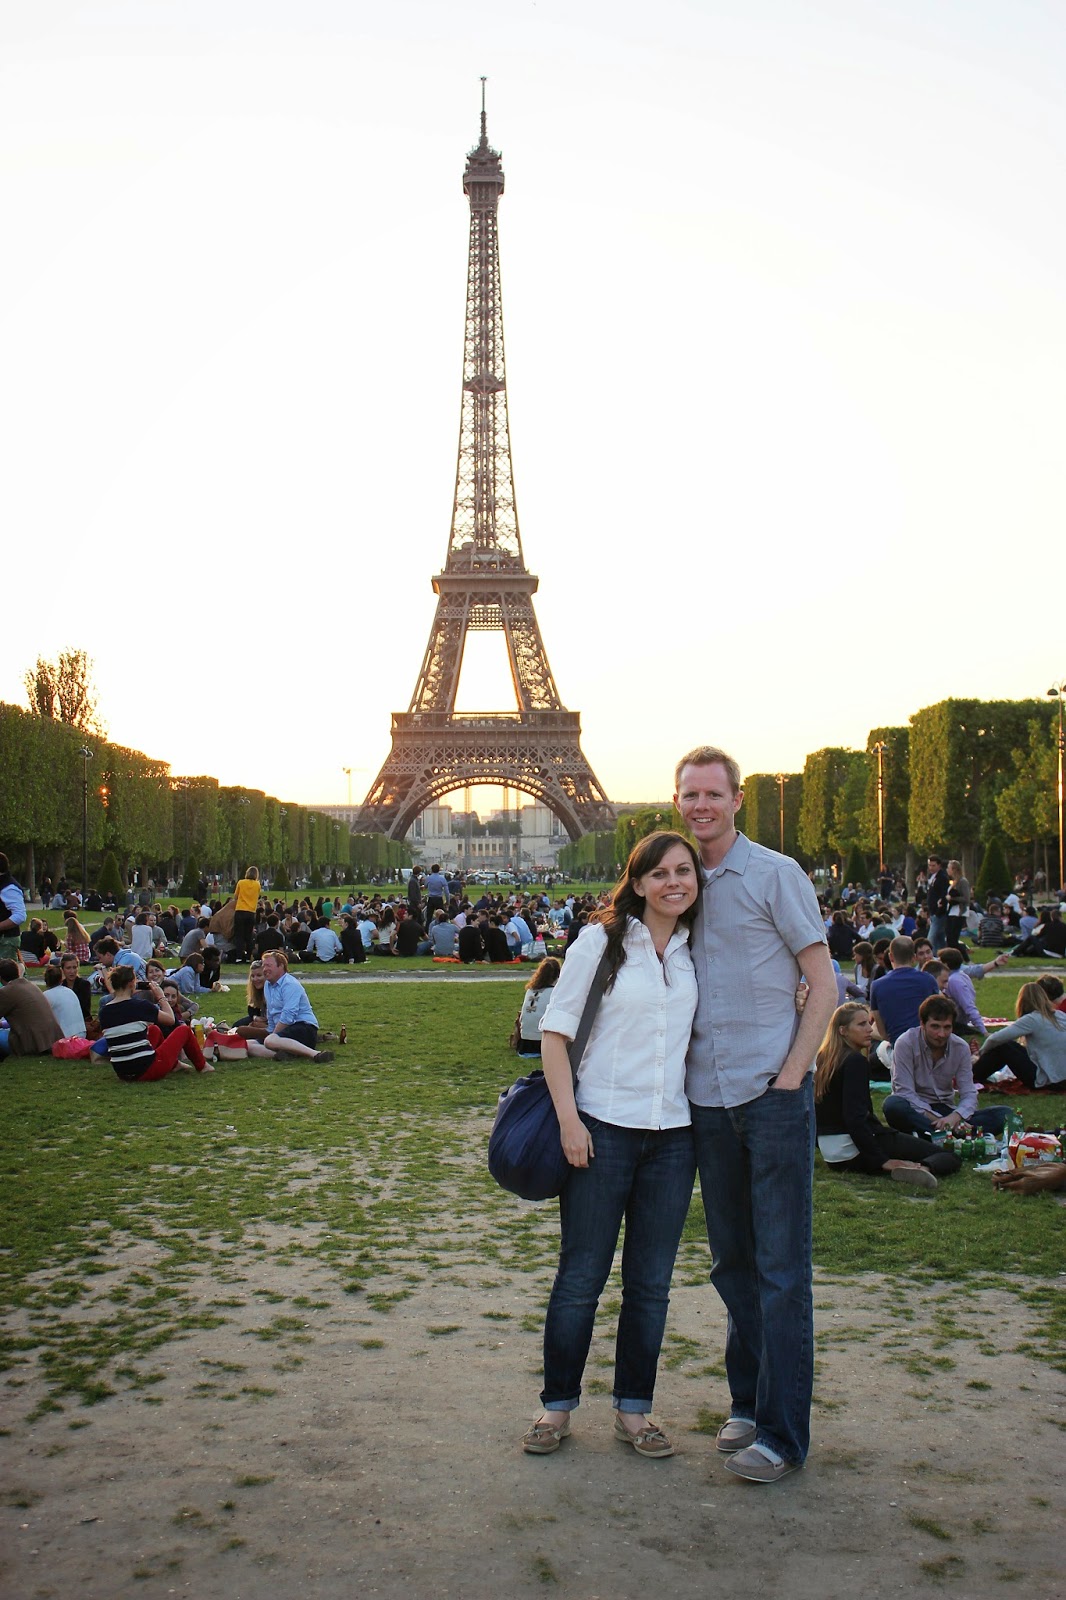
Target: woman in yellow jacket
246,898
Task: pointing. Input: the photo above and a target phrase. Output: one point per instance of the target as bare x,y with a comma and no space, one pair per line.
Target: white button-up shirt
633,1070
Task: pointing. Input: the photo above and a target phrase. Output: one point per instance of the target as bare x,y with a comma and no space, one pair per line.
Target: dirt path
314,1447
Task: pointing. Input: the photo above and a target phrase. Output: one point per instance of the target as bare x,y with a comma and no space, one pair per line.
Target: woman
184,1010
351,939
865,965
958,904
38,944
850,1137
385,941
534,1005
1033,1047
626,1132
77,940
130,1023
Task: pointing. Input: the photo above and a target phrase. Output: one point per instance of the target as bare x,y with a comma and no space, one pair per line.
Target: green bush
994,878
855,870
112,884
281,879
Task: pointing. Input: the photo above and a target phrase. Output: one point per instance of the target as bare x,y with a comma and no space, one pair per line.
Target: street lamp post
86,756
1056,692
782,779
881,747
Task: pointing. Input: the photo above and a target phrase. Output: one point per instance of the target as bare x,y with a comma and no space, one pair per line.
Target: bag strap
588,1015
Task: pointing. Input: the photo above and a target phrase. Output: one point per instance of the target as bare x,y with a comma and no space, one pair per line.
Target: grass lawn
116,1197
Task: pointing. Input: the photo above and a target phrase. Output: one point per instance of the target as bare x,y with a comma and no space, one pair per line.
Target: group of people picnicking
727,1040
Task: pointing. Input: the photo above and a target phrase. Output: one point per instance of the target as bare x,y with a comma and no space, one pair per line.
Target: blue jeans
644,1176
938,932
901,1115
756,1165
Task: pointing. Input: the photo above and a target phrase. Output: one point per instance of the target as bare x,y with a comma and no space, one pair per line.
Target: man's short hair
937,1008
1051,987
707,755
953,959
195,960
107,947
9,971
902,951
932,856
280,956
52,977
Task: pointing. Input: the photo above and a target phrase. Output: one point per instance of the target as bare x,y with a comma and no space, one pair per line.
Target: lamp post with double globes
782,779
881,747
1056,692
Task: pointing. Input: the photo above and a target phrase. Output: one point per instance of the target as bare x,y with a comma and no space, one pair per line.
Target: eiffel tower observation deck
484,587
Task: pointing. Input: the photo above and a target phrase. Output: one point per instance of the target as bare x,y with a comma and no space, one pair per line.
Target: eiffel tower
484,587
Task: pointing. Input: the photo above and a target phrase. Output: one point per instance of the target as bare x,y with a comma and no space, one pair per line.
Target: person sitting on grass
1033,1046
323,945
1048,938
78,986
184,1010
292,1027
64,1005
111,956
189,978
535,1003
850,1137
130,1023
38,944
352,947
77,940
255,999
933,1089
962,975
27,1026
443,935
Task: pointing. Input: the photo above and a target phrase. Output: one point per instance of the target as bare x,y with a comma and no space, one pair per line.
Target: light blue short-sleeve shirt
757,912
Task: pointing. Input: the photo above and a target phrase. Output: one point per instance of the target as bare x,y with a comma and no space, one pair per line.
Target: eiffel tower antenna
484,587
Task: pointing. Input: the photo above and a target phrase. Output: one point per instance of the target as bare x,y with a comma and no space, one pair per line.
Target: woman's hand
576,1142
894,1166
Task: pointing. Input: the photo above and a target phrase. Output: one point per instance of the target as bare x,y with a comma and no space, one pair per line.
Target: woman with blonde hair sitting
850,1137
1033,1046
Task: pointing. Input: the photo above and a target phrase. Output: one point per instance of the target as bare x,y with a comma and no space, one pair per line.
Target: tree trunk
969,862
31,874
910,871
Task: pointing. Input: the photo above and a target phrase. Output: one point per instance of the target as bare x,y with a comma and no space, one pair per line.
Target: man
442,935
895,998
411,937
436,890
932,1078
323,945
293,1026
519,935
962,975
27,1026
936,901
110,955
751,1091
12,912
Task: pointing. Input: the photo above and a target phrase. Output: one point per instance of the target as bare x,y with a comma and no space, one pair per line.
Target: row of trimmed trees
974,778
150,822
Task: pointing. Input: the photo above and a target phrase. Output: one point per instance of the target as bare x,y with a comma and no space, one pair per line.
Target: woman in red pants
129,1021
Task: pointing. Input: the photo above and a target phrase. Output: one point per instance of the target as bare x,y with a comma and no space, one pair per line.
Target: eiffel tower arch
484,587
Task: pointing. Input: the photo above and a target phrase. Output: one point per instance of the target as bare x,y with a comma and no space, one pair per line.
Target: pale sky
785,303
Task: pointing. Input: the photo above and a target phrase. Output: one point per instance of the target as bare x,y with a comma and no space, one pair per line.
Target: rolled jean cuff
560,1405
635,1408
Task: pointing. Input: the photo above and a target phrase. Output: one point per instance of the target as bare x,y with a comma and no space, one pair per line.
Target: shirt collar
735,861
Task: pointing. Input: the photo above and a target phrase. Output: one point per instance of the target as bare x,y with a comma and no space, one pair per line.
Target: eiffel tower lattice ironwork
484,587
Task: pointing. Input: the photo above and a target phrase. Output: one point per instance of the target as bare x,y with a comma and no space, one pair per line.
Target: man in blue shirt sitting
895,998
